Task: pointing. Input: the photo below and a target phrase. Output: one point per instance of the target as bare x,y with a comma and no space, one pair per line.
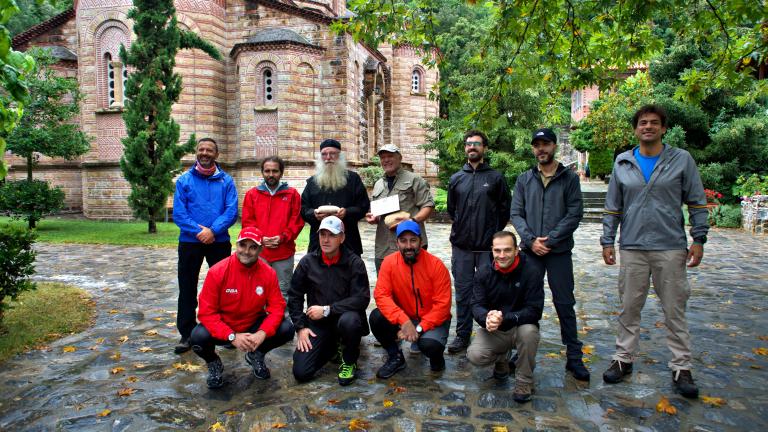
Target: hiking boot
256,360
683,381
459,344
394,364
577,368
501,369
215,374
437,364
523,391
617,372
347,373
183,346
414,350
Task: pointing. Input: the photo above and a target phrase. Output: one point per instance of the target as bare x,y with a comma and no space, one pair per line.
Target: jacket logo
486,184
285,198
517,284
231,290
259,290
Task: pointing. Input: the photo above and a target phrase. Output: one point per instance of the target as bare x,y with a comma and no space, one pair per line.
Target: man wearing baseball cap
413,300
416,202
546,210
334,282
241,305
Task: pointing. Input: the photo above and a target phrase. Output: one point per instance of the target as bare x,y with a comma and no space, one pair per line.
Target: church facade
285,83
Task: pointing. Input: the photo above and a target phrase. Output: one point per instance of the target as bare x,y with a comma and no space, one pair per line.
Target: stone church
286,82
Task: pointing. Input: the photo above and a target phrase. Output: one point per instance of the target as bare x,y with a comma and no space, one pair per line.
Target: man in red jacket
275,209
413,299
241,305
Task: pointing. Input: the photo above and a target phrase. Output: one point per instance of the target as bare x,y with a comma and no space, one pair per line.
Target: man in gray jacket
546,210
648,187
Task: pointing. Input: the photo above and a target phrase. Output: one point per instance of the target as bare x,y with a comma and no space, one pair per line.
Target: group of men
499,283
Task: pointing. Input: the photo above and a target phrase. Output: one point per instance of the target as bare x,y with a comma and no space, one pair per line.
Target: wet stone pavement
129,351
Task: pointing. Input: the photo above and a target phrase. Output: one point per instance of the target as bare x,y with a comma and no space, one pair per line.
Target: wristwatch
231,337
700,240
419,330
326,311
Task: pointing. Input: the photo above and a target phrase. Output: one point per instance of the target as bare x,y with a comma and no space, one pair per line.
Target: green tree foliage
17,259
372,172
600,162
30,199
33,12
152,154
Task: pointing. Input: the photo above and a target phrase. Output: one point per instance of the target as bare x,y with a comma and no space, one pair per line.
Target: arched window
268,79
112,73
416,81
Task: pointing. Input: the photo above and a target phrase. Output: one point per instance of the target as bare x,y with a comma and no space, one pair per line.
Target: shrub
726,216
369,174
752,185
30,200
441,200
600,163
16,263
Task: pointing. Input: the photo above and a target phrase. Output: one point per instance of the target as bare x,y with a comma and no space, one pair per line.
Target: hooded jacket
235,296
519,295
207,201
651,215
478,202
278,214
420,292
343,286
553,211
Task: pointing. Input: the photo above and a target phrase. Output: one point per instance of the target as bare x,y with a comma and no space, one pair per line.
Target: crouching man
241,305
413,299
335,283
507,302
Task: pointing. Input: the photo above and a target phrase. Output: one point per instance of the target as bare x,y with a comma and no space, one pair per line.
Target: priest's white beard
331,176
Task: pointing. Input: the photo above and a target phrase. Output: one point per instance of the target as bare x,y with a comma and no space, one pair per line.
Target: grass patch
50,312
85,231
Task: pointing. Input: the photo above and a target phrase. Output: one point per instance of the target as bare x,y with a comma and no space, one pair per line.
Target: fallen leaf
399,389
113,311
333,401
139,365
69,349
104,413
170,324
78,407
100,340
116,356
586,360
552,355
151,332
158,318
760,351
711,366
279,425
719,325
189,367
230,413
117,370
132,379
608,411
388,403
170,312
145,349
216,427
544,316
167,371
755,366
763,338
125,391
665,407
499,429
358,425
123,339
659,324
588,349
714,401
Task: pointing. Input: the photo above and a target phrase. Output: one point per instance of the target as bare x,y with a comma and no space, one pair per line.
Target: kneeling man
413,299
507,302
335,283
241,305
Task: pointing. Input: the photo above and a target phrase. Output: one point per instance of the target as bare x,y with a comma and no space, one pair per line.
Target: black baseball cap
545,134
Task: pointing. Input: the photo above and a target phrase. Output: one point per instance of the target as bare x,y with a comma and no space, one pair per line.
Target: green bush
752,185
441,200
600,163
369,174
16,263
30,200
726,216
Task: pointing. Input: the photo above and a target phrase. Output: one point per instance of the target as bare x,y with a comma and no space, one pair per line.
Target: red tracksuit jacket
278,214
234,296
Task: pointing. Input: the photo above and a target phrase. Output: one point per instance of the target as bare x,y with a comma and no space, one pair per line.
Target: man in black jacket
478,203
334,191
335,283
507,301
546,210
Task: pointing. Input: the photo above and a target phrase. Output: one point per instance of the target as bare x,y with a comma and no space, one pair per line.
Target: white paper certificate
385,205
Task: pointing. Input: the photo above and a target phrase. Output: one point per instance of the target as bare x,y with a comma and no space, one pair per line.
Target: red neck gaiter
509,269
205,171
330,261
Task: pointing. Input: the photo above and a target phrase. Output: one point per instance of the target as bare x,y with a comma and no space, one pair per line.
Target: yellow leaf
116,356
217,427
755,366
123,339
113,311
279,425
145,349
586,360
230,413
170,324
151,332
760,351
189,367
719,325
714,401
665,407
333,401
552,355
158,318
388,403
104,413
399,389
117,370
763,338
588,349
358,425
125,391
132,379
659,324
69,349
499,429
139,365
100,340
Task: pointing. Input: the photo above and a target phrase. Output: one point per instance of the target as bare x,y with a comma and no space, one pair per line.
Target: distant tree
17,264
152,154
33,12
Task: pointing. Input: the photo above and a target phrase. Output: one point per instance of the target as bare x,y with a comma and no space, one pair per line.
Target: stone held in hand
393,219
328,209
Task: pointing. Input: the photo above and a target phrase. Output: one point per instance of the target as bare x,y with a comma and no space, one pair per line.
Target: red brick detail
110,128
266,134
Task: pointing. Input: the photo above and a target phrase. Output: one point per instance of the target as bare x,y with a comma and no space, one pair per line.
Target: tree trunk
29,167
31,222
152,227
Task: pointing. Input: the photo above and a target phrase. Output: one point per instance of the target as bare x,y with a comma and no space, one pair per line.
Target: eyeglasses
329,154
473,143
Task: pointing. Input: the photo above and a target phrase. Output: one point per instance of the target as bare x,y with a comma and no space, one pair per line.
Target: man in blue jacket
546,210
204,207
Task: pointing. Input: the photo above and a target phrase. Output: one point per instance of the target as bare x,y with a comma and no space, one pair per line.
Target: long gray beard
331,176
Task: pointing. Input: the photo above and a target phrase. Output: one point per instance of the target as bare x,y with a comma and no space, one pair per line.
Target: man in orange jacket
240,305
413,299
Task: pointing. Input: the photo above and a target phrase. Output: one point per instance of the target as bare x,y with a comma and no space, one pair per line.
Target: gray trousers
491,347
668,272
464,263
284,270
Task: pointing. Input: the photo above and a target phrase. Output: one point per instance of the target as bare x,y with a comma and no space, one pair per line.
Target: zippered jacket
278,214
519,295
554,211
343,286
651,215
207,201
421,291
478,203
235,296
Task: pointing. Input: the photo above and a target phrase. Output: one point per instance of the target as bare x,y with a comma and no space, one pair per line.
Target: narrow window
110,79
416,81
269,93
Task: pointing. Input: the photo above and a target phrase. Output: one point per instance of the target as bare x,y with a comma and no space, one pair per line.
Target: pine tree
152,153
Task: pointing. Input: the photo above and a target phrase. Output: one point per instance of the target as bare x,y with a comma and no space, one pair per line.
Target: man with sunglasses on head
479,204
